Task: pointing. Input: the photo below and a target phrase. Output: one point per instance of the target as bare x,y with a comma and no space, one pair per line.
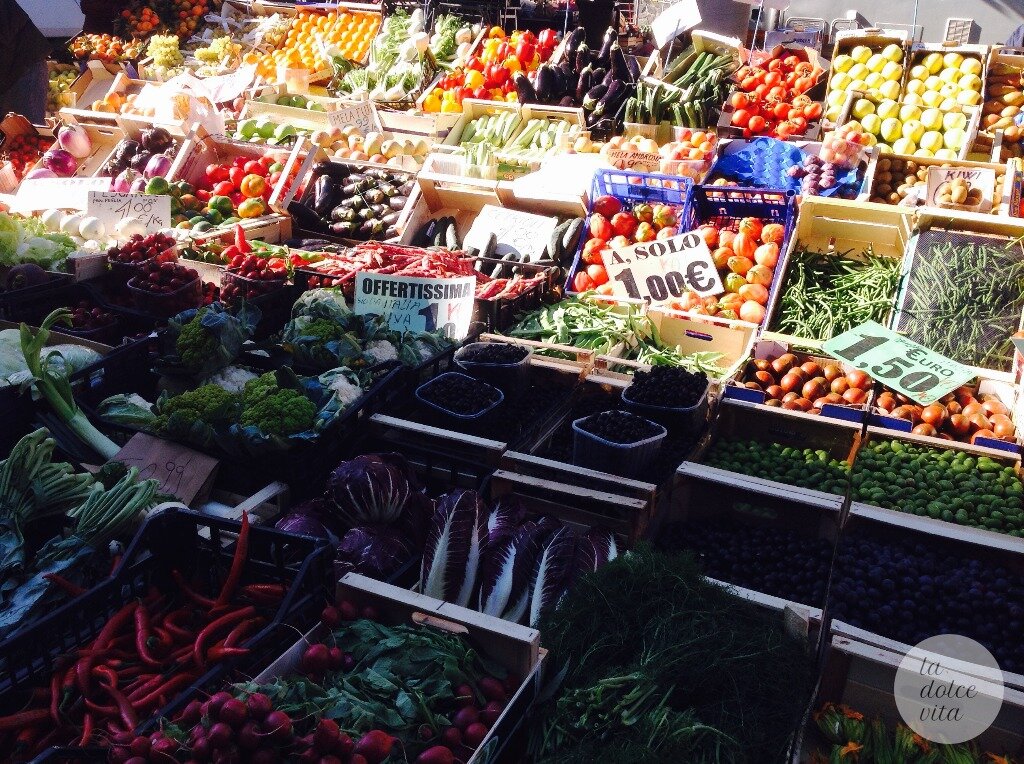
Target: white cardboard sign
664,270
111,208
57,193
417,304
520,233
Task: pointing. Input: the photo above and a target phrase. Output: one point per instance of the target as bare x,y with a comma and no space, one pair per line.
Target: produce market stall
387,384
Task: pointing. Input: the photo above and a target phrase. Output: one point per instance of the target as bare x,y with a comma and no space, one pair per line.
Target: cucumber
570,240
555,244
491,246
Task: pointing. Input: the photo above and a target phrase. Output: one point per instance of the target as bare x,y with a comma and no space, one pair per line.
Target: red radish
475,734
163,750
492,689
347,611
357,759
219,735
264,756
259,706
233,712
325,738
436,755
345,745
330,616
491,712
375,746
278,725
426,732
452,737
465,695
137,760
191,714
337,658
316,659
329,760
217,700
465,716
370,613
201,749
249,736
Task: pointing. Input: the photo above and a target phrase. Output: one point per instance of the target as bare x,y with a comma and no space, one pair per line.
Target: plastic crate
507,377
9,300
626,459
633,188
687,418
448,413
198,546
168,304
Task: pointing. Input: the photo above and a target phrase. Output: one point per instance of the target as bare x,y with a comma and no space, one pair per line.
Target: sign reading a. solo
415,304
664,270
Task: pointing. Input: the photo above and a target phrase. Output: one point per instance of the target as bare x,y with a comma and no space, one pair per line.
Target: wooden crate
838,225
444,187
875,39
936,527
104,138
1000,61
861,675
739,420
10,126
473,108
919,50
514,647
704,494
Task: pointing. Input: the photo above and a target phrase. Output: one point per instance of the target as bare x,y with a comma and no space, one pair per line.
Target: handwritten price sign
664,270
112,208
415,304
900,363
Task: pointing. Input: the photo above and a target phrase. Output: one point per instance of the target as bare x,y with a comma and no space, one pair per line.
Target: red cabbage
372,489
377,552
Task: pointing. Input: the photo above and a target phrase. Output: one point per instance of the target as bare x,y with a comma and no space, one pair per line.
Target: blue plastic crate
724,205
633,188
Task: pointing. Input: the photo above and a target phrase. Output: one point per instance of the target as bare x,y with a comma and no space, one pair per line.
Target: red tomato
582,282
267,161
235,175
624,224
215,173
600,228
757,124
739,100
224,188
255,168
740,118
781,110
812,111
241,161
597,274
607,205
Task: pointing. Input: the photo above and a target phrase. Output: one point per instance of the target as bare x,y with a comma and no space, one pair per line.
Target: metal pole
757,24
913,28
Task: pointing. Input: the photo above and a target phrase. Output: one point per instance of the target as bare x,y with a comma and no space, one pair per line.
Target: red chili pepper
174,684
86,730
237,563
55,697
24,719
145,687
219,653
105,672
98,708
211,628
128,715
141,635
240,631
192,595
163,638
26,739
265,593
84,666
68,586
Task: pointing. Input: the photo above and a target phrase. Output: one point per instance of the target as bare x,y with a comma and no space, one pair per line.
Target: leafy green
26,240
200,341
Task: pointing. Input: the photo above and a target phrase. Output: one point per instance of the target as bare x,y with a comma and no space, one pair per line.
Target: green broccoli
285,412
195,344
208,403
259,388
322,329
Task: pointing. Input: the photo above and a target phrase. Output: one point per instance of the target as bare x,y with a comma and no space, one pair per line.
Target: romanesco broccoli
259,388
209,403
323,329
285,412
195,344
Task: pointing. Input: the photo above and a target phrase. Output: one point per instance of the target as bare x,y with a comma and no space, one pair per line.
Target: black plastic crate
497,315
10,300
172,540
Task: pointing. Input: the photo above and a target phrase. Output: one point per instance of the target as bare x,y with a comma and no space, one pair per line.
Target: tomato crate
709,511
199,547
632,188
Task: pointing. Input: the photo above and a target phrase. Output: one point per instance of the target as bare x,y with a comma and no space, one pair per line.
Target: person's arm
100,15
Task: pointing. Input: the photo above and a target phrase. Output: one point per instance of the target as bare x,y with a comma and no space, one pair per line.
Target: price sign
522,234
112,208
417,304
898,362
57,193
183,473
361,115
664,270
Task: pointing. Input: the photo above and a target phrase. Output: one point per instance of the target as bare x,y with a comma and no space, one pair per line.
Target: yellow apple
970,81
931,119
916,87
876,63
860,54
949,90
912,99
890,130
968,98
924,153
874,80
954,120
933,83
859,85
946,104
931,140
858,71
862,107
949,74
836,98
842,63
910,111
887,109
954,139
872,123
931,99
892,71
971,66
840,81
904,146
884,148
893,52
919,72
890,89
945,154
933,62
952,60
913,130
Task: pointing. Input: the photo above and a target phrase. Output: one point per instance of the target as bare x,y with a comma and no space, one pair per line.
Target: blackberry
460,394
667,386
493,352
620,427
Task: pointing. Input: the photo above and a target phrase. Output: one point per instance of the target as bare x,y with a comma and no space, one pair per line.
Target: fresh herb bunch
658,665
964,300
826,293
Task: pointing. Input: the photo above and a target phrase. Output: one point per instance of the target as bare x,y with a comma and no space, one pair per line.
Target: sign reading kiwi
963,188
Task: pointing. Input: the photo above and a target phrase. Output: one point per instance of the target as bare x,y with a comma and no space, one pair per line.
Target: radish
426,732
374,746
192,713
259,706
357,759
436,755
264,756
337,658
452,737
163,750
316,659
201,749
137,760
465,695
491,712
216,702
234,713
140,747
249,737
370,613
278,726
325,738
347,611
219,735
345,745
329,760
492,689
465,716
475,734
330,616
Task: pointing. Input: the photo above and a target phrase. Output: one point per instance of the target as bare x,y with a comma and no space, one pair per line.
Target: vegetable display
962,311
692,97
805,386
772,97
944,484
965,415
803,467
668,387
827,293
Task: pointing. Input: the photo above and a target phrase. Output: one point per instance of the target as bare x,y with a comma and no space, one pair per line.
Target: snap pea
803,467
943,484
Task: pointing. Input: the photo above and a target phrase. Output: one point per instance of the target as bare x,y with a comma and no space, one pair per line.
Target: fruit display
23,151
611,224
186,15
61,78
871,70
344,33
105,47
167,59
1004,101
805,386
139,249
902,180
348,201
488,71
688,155
166,288
958,192
965,415
667,387
620,427
943,81
138,21
460,394
248,277
804,467
912,130
773,97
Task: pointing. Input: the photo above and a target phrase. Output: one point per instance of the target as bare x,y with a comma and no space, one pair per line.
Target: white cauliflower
381,350
345,390
231,378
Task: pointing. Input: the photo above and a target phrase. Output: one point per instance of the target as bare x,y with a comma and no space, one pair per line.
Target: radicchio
530,539
372,489
565,558
452,553
377,552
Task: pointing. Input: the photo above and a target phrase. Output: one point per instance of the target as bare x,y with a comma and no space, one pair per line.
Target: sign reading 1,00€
663,270
900,363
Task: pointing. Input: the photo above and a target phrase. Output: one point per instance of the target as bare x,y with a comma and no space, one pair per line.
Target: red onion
60,162
158,166
123,182
75,140
40,172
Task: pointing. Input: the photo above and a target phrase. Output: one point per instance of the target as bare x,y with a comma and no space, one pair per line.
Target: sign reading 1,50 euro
664,270
898,362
